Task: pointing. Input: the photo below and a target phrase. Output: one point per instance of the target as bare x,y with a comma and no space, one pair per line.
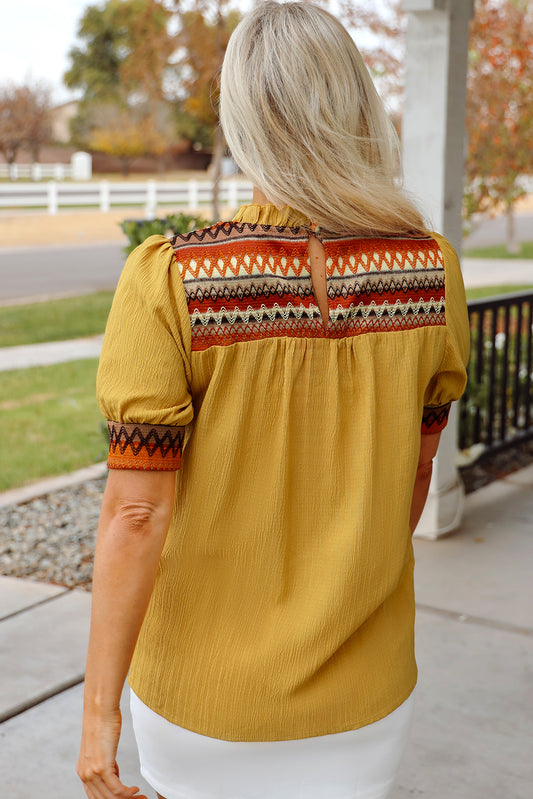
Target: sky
35,37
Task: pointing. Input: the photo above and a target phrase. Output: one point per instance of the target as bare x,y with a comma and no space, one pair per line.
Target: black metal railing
496,409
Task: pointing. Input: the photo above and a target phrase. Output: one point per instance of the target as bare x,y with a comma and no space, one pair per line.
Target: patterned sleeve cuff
148,447
435,418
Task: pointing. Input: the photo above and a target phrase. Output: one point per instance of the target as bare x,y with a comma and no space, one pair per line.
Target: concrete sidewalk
49,352
473,730
479,272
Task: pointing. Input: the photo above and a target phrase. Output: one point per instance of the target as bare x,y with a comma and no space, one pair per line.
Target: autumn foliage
379,32
499,117
126,137
499,104
121,65
158,60
24,119
205,28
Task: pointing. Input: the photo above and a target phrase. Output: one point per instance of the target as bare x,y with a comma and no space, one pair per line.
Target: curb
18,496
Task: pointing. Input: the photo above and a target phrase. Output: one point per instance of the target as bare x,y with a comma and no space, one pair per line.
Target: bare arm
134,521
428,449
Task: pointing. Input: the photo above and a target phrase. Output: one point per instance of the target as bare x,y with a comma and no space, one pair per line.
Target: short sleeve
144,374
449,382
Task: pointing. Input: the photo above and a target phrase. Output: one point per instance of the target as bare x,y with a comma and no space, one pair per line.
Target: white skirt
359,764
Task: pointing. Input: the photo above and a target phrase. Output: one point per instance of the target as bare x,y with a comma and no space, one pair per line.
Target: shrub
137,230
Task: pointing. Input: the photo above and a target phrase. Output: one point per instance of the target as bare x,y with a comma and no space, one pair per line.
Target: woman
275,389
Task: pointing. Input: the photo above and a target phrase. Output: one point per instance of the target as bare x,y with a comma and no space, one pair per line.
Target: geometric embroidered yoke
247,282
283,606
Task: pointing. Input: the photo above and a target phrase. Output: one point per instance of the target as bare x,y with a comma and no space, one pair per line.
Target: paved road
55,270
490,232
494,272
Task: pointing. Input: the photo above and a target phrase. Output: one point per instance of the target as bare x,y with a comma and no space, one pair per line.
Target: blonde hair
305,123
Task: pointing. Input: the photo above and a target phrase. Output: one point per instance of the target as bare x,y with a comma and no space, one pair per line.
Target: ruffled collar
255,214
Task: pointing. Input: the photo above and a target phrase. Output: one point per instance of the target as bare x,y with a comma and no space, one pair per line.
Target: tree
499,108
499,115
39,130
203,37
125,49
24,119
206,26
126,135
379,32
122,61
128,58
95,63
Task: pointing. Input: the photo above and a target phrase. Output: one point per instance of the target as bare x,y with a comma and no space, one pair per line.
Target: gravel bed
496,465
52,537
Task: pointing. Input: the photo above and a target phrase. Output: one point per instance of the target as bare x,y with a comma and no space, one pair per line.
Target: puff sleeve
449,382
144,374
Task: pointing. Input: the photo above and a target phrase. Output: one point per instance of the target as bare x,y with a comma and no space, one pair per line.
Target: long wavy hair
305,123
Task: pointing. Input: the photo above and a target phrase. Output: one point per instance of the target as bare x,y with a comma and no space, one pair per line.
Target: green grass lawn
493,291
56,320
51,423
500,251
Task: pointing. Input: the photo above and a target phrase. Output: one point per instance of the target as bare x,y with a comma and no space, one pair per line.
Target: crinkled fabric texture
284,603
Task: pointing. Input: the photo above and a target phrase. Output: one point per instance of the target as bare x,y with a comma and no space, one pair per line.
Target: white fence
105,194
36,171
80,168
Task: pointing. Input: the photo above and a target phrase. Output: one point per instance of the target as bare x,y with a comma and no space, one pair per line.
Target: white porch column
433,138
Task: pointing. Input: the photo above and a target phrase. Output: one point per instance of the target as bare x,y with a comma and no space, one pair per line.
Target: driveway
34,272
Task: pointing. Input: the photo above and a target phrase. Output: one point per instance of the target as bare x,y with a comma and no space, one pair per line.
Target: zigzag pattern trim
239,288
257,282
231,230
225,335
248,290
357,286
383,261
254,264
144,446
385,308
205,268
276,311
435,418
245,315
245,231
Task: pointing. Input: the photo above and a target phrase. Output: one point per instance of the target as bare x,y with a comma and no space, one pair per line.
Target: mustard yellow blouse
283,607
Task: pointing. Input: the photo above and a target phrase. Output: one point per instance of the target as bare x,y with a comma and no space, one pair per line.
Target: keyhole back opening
317,268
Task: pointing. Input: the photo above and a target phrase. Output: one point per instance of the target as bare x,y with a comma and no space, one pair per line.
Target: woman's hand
97,766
